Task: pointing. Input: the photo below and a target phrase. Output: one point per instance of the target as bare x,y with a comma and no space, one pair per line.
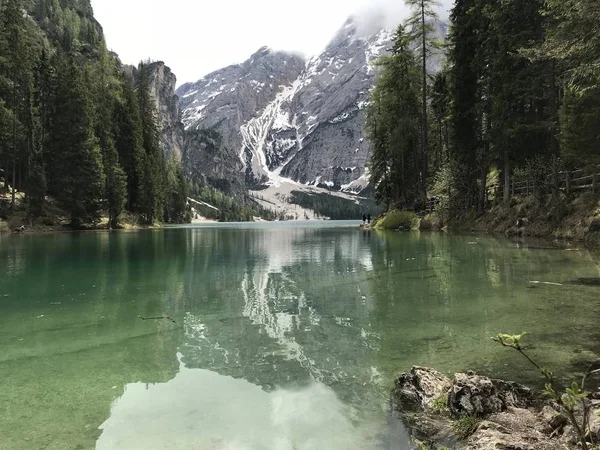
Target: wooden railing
567,181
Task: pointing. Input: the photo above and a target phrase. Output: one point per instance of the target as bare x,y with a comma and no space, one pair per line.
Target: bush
405,220
4,228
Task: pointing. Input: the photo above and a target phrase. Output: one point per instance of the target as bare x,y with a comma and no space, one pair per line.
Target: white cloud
195,37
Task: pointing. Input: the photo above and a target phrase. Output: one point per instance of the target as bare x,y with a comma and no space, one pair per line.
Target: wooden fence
568,182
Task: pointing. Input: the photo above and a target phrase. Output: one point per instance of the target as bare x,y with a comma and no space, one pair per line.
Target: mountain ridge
310,128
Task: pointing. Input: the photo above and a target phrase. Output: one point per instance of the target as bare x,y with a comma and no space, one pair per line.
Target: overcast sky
195,37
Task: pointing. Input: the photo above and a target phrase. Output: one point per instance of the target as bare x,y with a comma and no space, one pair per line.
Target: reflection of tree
74,305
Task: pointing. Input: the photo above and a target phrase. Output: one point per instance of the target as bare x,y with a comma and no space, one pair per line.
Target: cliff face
162,88
227,99
206,160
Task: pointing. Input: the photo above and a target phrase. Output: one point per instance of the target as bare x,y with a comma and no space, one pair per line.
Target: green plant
4,228
440,404
398,219
420,445
570,399
465,426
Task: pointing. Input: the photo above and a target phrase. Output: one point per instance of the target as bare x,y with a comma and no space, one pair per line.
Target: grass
465,426
395,220
440,404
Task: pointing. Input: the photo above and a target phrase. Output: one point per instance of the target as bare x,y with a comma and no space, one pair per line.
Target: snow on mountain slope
293,119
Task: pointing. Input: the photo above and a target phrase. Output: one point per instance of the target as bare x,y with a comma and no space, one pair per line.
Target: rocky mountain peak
292,119
263,51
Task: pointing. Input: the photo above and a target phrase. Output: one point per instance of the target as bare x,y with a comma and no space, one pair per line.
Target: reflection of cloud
201,409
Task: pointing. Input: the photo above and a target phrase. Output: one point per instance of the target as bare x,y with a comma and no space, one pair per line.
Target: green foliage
71,125
580,120
333,207
73,143
440,404
573,398
230,209
176,210
573,40
394,124
394,220
465,426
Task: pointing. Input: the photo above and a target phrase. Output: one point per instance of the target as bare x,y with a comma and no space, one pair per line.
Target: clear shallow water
288,336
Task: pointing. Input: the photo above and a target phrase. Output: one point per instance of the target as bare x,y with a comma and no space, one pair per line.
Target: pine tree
420,26
573,37
73,143
176,192
129,143
440,105
15,75
394,127
464,90
107,91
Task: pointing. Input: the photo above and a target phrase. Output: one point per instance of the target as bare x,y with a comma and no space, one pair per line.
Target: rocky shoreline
473,412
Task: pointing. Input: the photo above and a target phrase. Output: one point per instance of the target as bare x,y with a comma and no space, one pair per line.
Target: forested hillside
519,98
75,129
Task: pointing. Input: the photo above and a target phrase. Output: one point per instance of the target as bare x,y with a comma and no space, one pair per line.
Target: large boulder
418,389
480,396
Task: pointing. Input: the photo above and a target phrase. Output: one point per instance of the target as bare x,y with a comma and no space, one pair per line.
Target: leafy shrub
465,426
4,228
395,220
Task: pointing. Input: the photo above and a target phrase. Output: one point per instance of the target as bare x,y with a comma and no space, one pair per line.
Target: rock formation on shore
497,414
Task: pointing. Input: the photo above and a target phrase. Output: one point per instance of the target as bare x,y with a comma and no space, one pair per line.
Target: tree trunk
6,163
14,149
14,184
482,191
506,177
554,183
425,144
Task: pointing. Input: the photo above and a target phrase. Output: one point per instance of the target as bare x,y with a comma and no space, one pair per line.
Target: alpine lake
279,335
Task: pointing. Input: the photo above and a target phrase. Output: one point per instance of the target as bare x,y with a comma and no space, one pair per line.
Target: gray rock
512,430
207,161
552,418
417,390
475,395
229,98
162,88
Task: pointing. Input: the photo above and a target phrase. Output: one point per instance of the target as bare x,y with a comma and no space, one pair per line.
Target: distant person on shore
369,219
364,218
416,206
